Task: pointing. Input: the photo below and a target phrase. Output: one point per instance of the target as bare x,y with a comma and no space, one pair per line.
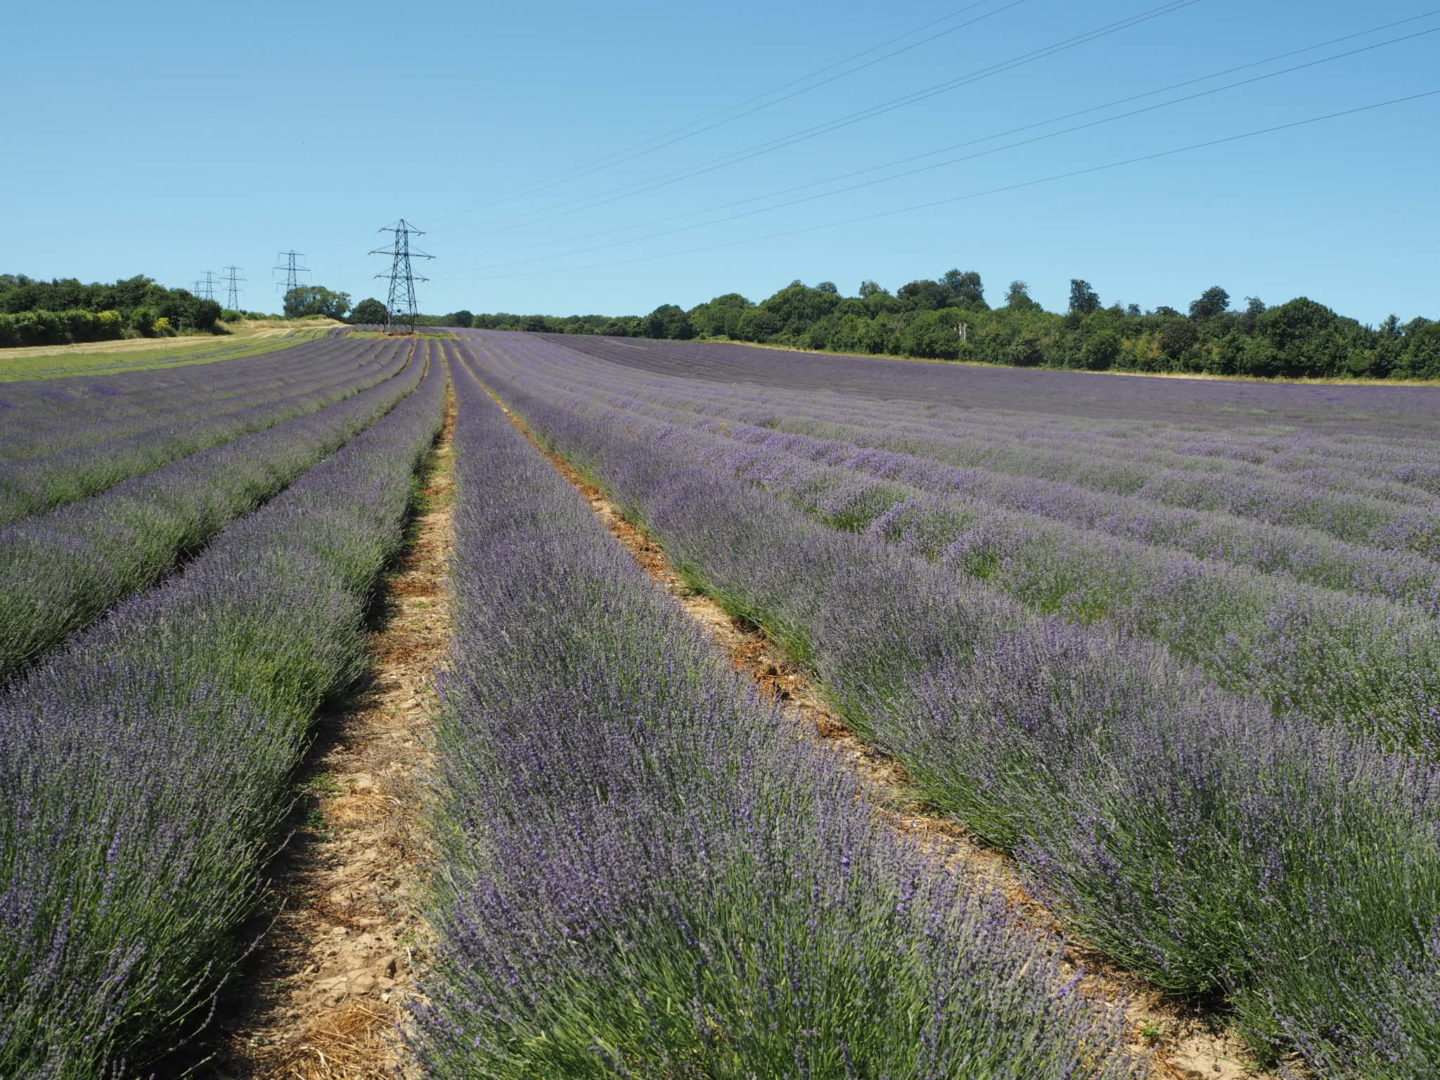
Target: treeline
371,312
66,310
950,319
608,325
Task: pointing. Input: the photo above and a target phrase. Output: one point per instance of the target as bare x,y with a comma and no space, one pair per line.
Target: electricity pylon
232,287
400,305
292,269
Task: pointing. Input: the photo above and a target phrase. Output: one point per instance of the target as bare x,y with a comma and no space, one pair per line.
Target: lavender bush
1278,861
884,444
1361,661
143,768
646,874
1028,428
63,569
71,451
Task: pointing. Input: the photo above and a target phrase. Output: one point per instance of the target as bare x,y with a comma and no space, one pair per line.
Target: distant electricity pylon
292,268
400,307
232,287
205,290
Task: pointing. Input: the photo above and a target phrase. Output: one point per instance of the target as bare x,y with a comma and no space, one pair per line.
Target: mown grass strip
62,365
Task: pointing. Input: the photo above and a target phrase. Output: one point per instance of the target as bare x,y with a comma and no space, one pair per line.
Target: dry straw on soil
332,976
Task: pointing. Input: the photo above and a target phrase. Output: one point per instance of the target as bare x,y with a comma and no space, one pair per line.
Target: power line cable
979,154
565,209
666,139
950,200
987,138
748,107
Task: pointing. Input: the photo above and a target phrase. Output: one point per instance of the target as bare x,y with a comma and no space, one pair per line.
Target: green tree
1083,299
370,312
966,289
757,324
1307,339
309,300
1017,296
1213,301
1422,350
923,295
1177,338
797,307
719,317
1100,350
1250,317
669,321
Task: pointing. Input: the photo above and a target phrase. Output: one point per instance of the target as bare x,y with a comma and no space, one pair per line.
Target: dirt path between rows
328,985
1187,1045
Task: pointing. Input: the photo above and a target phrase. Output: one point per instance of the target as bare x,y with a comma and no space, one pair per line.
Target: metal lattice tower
205,290
232,287
292,268
400,305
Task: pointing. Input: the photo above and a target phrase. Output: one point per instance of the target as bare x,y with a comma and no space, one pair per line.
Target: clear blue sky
168,139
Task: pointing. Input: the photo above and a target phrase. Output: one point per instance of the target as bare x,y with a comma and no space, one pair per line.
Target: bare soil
1186,1044
326,990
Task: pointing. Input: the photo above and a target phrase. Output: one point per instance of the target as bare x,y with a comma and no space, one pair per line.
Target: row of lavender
1370,491
881,450
64,446
107,405
1275,474
1344,491
63,569
1189,832
1366,661
1221,405
1274,447
646,872
1088,458
144,768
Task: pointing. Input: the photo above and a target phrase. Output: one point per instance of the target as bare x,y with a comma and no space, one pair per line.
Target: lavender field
1171,644
1171,647
648,873
146,762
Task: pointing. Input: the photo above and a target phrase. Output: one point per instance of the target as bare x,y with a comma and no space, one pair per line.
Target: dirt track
327,987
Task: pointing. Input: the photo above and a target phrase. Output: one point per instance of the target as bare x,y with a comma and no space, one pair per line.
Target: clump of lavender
61,446
145,766
65,568
1362,661
1221,849
644,873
